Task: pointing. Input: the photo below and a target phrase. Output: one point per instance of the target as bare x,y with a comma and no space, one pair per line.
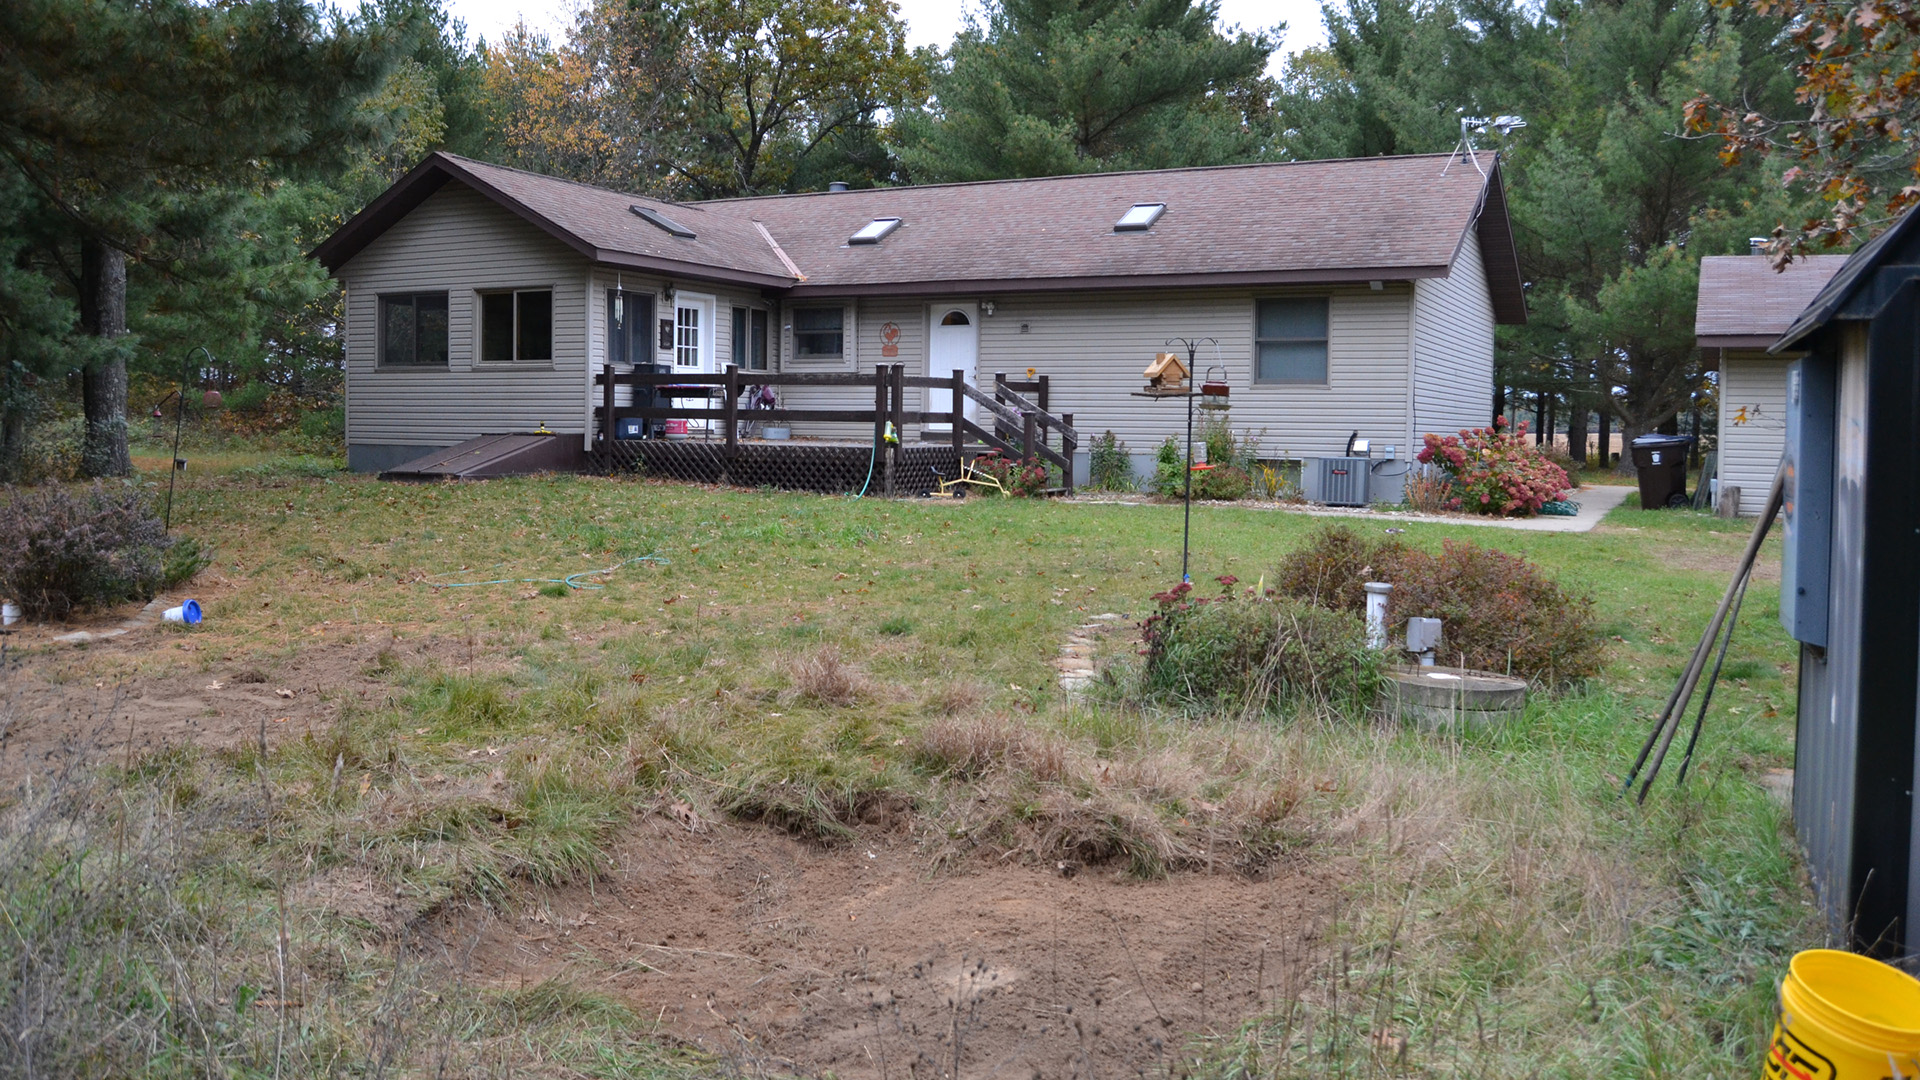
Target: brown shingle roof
1348,220
1745,304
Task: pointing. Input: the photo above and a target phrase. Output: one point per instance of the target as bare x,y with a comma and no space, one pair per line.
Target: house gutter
1114,282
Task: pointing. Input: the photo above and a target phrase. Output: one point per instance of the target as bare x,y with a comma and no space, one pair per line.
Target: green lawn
790,659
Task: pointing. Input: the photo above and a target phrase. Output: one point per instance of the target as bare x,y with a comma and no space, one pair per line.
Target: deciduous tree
1854,138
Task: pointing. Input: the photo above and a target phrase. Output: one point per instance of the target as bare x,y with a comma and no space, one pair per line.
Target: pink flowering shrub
1496,471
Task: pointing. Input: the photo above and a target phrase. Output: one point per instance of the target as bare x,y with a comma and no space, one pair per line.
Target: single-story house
1850,589
1745,305
1333,296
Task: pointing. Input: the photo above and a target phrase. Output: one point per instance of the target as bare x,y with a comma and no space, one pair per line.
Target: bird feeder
1166,375
1213,392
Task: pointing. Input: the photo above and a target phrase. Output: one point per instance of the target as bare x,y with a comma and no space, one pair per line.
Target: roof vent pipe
837,185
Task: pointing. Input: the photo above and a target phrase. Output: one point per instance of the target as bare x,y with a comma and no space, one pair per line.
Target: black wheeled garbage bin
1661,461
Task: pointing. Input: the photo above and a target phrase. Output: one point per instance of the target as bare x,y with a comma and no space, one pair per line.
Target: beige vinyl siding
1453,348
725,300
458,242
863,345
1095,346
1750,445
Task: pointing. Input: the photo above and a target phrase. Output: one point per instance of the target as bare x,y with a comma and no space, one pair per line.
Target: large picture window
629,327
1290,340
516,327
413,330
818,333
750,339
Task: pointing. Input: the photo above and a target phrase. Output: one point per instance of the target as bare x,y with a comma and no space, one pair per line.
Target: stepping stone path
1075,662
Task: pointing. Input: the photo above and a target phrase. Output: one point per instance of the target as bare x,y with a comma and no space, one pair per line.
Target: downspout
1413,372
586,352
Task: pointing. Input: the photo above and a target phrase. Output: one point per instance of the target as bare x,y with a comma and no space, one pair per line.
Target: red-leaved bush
1027,479
1499,612
1496,471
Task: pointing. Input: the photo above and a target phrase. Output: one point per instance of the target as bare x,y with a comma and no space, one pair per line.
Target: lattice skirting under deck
825,468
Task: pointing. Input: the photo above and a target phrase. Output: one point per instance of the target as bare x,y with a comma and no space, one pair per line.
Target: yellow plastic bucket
1845,1017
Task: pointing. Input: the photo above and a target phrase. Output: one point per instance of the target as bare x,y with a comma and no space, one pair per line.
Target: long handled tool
1668,724
1713,680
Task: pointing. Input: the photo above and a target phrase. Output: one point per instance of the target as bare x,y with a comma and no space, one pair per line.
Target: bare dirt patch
58,707
857,961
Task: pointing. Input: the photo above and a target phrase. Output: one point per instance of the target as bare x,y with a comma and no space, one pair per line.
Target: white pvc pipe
1377,613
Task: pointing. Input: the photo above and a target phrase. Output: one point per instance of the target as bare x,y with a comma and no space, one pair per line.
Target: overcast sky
929,22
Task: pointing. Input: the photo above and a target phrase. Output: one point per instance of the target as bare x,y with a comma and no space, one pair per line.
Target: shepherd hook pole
179,419
1186,523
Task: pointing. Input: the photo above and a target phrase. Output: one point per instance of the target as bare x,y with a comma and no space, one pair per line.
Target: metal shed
1850,592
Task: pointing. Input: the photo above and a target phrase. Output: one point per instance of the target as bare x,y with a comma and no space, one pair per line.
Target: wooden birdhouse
1166,373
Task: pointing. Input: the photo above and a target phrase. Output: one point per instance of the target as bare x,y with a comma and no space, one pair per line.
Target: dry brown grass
821,677
969,749
955,697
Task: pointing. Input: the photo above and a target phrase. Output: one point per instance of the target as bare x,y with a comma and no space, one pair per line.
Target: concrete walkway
1595,501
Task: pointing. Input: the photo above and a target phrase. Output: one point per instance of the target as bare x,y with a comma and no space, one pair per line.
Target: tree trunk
1606,438
1499,403
13,426
103,386
1577,412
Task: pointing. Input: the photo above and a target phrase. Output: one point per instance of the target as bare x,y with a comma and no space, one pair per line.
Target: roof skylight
655,217
873,231
1140,217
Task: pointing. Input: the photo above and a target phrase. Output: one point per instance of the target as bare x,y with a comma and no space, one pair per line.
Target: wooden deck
1020,427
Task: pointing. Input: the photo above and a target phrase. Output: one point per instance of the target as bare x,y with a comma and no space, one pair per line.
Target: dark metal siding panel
1823,790
1888,597
1826,748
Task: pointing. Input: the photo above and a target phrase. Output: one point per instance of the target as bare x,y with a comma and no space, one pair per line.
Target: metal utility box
1806,508
1344,481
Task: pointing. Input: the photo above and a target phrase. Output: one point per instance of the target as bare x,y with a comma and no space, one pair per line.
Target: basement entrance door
953,344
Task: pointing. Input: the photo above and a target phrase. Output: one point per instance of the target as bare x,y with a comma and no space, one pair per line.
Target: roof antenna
1505,124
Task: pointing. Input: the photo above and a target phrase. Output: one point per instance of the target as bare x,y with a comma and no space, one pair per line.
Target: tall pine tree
144,129
1045,87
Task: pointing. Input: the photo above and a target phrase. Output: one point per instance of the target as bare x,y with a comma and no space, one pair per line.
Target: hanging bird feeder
1213,392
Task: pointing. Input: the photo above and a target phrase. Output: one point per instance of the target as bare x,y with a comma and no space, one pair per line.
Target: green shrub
1224,482
185,558
328,426
1499,612
1253,653
65,548
1110,467
1169,470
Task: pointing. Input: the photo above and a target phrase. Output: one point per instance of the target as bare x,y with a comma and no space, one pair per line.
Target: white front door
693,350
693,333
953,344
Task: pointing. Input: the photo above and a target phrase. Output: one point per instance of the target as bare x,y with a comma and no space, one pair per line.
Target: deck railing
1021,427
